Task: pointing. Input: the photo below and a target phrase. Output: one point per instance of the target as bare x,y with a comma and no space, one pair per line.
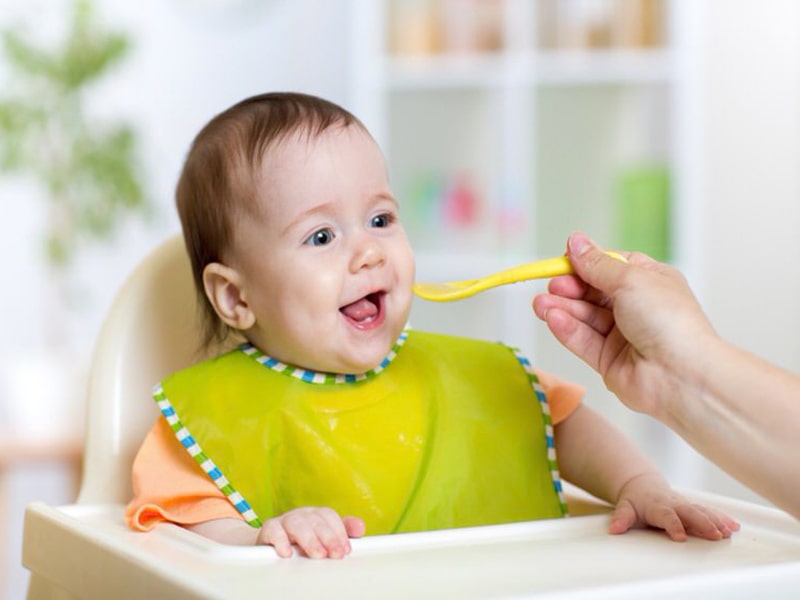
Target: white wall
752,130
752,179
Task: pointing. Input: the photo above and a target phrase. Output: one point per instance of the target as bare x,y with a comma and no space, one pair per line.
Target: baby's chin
352,355
354,365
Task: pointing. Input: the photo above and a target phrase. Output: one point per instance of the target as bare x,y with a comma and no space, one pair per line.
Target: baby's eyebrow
325,207
386,196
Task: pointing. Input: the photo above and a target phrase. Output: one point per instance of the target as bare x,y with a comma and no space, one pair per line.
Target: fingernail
579,243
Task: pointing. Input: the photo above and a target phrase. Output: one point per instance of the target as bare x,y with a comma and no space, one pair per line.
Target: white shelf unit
543,134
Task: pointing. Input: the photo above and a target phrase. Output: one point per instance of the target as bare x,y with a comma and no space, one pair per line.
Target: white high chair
85,550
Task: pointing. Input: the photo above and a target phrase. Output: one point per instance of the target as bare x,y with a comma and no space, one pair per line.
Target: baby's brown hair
221,176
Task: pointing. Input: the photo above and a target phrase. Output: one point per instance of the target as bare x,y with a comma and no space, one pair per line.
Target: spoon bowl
457,290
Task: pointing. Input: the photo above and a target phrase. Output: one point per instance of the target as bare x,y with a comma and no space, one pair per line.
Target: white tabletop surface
89,551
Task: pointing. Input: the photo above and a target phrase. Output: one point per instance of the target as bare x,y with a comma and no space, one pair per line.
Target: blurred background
668,126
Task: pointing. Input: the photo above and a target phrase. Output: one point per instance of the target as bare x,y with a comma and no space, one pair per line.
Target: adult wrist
692,380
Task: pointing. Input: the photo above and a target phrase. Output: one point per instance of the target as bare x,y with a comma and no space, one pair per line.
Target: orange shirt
168,485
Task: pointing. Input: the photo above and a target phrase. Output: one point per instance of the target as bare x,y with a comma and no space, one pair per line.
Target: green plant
88,169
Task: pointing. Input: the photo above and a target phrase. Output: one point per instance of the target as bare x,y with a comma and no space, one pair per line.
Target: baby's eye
382,221
320,238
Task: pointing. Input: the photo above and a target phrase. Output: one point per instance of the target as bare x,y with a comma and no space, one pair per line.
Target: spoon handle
549,267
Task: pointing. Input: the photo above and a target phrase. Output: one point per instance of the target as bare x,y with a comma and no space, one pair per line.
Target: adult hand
637,324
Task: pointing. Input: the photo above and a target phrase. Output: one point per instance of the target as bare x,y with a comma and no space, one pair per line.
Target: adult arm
640,327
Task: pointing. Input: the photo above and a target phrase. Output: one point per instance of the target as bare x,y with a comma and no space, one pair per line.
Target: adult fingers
593,265
573,287
578,337
598,318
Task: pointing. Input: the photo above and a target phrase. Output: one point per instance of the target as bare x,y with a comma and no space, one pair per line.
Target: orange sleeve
563,397
168,485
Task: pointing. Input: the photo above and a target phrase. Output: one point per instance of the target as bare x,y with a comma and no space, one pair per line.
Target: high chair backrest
151,330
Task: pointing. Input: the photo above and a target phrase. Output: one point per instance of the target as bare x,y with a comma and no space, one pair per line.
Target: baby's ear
223,286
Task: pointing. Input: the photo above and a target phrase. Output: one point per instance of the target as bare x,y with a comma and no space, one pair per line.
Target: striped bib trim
552,463
316,376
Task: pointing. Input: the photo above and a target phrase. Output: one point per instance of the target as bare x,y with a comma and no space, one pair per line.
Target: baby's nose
368,253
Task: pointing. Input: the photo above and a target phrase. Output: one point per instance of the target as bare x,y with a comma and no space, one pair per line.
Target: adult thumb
592,264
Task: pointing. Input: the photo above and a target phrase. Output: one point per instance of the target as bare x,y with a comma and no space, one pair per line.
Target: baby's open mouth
365,310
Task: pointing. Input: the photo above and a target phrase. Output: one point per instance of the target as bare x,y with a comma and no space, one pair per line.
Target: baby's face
326,268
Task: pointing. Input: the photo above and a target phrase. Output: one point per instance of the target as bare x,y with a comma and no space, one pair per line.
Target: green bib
446,432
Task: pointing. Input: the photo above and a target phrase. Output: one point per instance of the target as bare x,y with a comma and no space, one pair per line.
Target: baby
332,419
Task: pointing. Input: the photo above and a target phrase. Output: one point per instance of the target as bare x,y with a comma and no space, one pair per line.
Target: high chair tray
86,551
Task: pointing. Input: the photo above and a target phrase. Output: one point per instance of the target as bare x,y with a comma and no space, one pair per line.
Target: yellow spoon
457,290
